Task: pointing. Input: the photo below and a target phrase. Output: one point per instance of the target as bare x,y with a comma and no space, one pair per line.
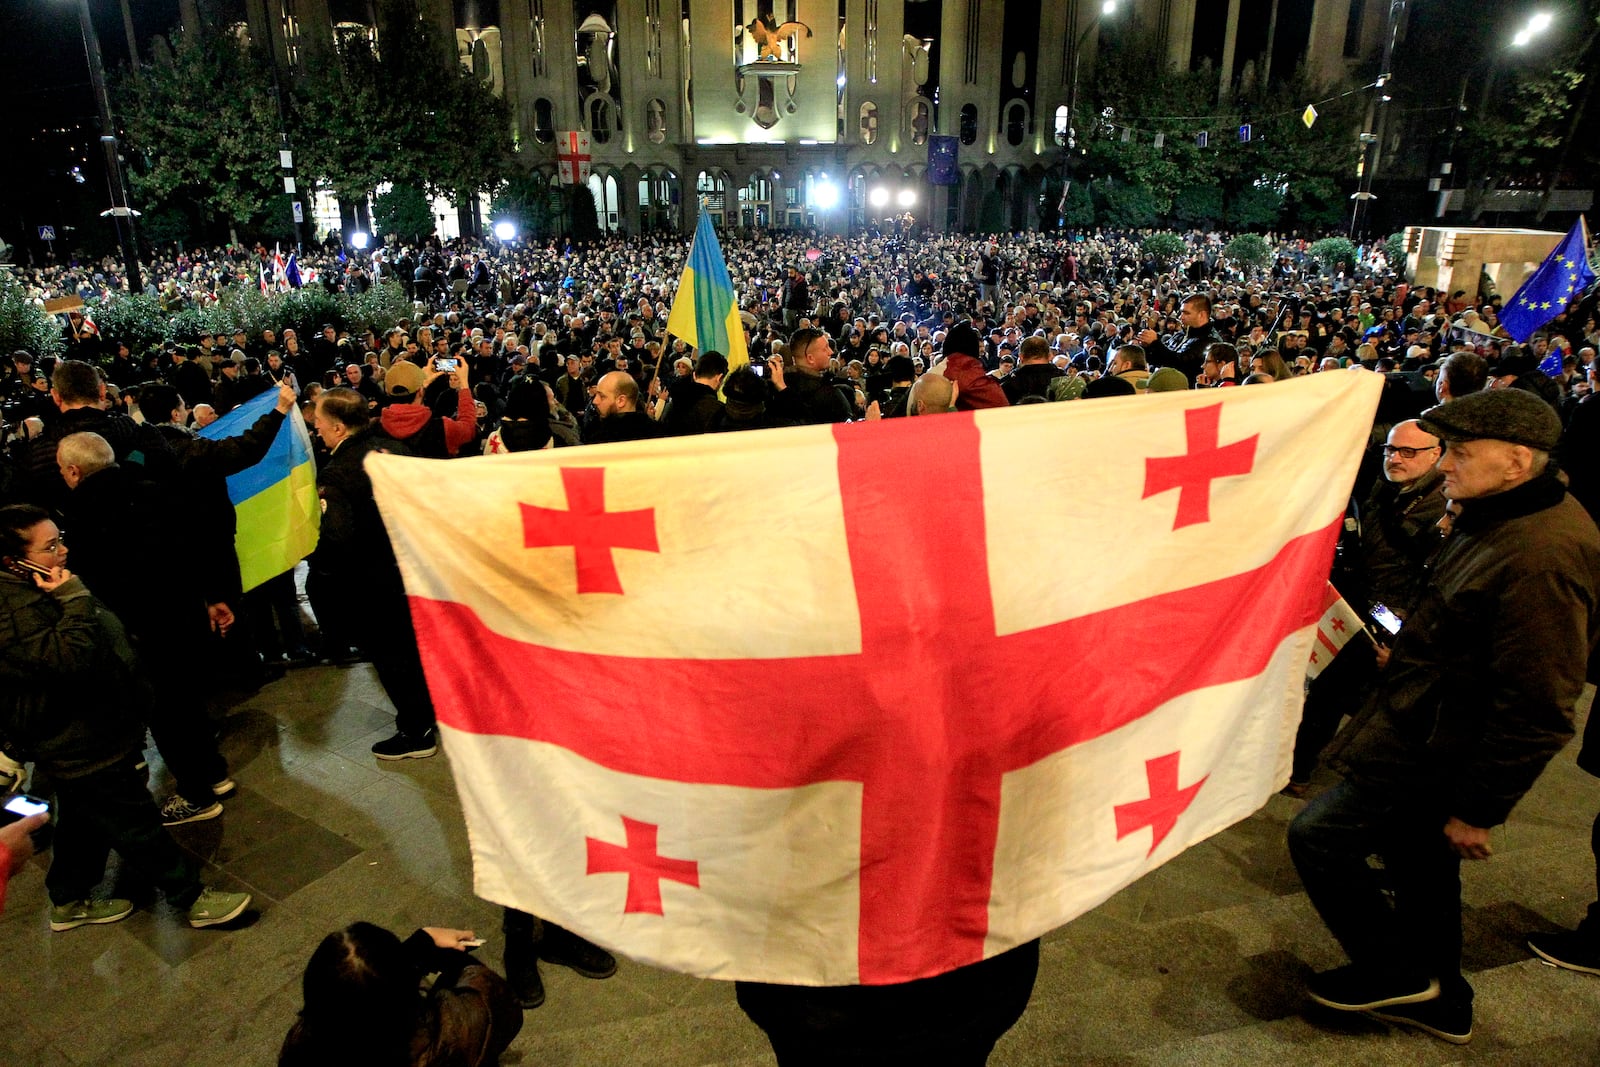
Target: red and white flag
572,157
1339,623
870,702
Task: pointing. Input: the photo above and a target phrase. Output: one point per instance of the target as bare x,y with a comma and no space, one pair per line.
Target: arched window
869,123
1061,125
544,122
969,124
921,121
600,124
1016,123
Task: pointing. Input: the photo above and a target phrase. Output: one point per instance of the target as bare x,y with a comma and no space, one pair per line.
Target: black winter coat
1480,690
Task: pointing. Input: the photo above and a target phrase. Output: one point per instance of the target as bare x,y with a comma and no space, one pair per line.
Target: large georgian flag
866,703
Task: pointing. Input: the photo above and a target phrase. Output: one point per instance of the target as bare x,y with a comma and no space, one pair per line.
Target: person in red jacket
408,419
974,388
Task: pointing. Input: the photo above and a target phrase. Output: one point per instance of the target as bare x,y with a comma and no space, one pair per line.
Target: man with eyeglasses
1386,544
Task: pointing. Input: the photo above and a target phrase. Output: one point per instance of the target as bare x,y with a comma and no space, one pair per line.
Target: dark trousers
952,1019
335,621
273,612
391,642
1589,928
179,717
111,809
1418,934
1336,692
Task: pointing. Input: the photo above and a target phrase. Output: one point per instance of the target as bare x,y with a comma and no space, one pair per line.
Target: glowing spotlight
505,231
825,195
906,198
359,240
1109,7
878,197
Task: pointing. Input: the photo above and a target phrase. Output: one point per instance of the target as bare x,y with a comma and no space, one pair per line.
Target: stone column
1230,40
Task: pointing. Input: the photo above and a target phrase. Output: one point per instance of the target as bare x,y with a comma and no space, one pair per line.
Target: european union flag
1563,277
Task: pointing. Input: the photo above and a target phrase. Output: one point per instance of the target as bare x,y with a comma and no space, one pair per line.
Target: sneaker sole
223,790
421,753
216,920
1431,993
1563,964
199,816
580,971
74,924
1442,1035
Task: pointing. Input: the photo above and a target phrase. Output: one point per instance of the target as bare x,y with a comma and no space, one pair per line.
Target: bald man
616,402
932,394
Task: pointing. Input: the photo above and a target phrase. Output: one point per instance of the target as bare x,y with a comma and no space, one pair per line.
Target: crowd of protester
517,347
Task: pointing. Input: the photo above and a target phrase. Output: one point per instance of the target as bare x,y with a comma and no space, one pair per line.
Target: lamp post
121,213
1372,138
1475,194
1107,7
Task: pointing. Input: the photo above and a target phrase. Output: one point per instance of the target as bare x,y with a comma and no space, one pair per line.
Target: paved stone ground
1199,963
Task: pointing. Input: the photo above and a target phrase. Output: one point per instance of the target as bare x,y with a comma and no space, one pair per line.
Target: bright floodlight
825,195
505,231
878,197
906,198
359,239
1109,7
1540,22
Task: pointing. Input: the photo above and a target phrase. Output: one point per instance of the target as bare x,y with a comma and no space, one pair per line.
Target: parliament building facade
783,113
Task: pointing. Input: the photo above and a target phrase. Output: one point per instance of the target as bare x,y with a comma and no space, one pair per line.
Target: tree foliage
1283,175
1334,254
1165,247
23,323
403,211
403,114
203,118
1249,249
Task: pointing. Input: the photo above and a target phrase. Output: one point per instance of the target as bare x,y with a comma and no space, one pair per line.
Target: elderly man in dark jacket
1477,696
356,579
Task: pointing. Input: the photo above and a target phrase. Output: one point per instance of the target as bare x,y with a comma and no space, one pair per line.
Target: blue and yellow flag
276,500
1563,277
705,311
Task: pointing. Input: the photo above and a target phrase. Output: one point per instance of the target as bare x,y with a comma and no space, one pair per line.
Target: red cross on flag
1339,623
866,703
572,157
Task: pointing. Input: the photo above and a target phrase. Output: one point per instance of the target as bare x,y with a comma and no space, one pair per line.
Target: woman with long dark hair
364,1002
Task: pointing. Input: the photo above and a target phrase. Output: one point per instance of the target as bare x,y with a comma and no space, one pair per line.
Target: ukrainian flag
705,312
276,500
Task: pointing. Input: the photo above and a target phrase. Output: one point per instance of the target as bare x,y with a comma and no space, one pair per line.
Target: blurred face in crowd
352,373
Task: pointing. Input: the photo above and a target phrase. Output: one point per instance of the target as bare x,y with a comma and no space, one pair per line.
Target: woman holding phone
70,701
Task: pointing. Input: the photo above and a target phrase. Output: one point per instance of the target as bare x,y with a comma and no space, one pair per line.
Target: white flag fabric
867,703
1339,623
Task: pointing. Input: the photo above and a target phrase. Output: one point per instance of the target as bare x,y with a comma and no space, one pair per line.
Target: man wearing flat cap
1477,696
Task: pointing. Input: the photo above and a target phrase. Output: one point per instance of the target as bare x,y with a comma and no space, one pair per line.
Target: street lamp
121,213
1537,24
1109,7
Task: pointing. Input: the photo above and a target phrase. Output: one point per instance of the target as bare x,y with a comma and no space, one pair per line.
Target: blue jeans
1403,920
